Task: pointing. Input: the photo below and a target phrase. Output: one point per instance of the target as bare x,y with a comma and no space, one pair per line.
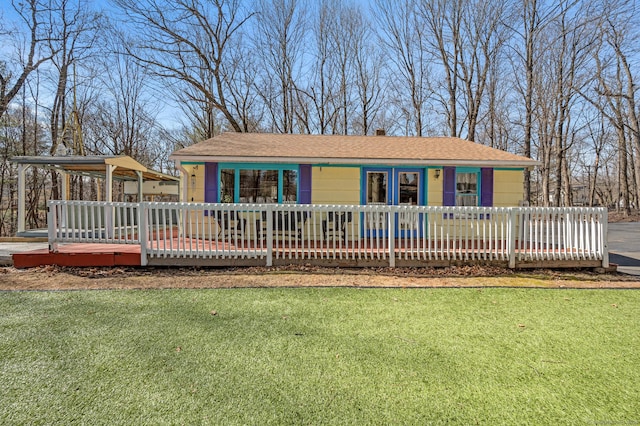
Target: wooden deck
195,252
226,234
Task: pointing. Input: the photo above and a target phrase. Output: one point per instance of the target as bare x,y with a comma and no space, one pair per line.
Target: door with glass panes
397,186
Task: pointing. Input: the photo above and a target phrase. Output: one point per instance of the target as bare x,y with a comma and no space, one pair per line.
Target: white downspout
184,181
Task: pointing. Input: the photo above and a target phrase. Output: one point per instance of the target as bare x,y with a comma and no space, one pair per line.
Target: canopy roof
126,168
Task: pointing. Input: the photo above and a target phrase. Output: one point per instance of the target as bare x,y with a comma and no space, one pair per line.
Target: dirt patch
58,278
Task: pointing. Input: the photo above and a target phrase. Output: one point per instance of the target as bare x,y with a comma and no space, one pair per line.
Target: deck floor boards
166,251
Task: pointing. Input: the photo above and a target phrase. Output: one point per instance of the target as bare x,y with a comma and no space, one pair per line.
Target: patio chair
336,224
227,220
286,221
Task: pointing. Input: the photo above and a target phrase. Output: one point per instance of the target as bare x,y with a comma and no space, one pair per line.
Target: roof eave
76,159
351,161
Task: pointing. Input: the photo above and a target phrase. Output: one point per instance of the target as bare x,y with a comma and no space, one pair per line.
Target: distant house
352,170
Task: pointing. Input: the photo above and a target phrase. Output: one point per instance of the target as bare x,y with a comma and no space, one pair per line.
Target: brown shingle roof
336,149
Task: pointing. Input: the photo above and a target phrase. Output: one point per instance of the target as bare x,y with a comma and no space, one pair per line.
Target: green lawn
320,356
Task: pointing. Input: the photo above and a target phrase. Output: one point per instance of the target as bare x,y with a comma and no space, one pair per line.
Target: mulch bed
61,278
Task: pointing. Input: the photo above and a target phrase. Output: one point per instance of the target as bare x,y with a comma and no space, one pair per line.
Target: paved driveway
624,246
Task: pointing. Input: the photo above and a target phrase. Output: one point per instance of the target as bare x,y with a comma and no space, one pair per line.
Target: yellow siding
341,185
335,185
507,187
195,192
434,194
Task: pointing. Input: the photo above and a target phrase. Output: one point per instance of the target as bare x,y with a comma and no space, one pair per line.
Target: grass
320,356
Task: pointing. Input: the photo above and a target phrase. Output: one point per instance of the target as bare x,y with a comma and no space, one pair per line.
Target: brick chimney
381,132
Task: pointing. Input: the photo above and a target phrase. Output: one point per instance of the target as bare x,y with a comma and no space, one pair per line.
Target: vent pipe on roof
381,132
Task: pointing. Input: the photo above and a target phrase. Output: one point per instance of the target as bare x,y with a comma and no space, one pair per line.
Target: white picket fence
336,234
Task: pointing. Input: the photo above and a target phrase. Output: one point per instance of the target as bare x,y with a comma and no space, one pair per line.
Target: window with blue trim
227,185
241,184
466,189
289,186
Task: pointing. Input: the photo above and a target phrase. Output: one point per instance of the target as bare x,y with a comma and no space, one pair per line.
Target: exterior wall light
437,173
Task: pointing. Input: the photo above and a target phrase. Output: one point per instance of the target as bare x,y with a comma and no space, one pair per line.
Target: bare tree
76,30
9,146
368,68
442,20
620,38
528,50
572,44
21,132
240,73
464,39
343,38
186,43
495,126
17,126
334,96
611,87
122,120
403,37
280,37
614,91
599,138
483,35
316,106
28,56
544,127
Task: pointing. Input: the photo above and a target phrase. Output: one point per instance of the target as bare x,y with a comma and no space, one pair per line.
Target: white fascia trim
359,161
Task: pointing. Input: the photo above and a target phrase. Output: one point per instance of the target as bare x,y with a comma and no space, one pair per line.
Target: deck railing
93,222
391,235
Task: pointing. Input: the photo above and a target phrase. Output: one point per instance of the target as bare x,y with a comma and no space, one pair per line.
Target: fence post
605,238
269,237
511,248
391,235
109,221
143,232
52,226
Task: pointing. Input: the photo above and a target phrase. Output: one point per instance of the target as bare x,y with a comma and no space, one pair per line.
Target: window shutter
305,184
486,190
210,182
449,186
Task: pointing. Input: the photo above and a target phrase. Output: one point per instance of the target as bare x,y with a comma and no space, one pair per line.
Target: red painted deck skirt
85,255
109,255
